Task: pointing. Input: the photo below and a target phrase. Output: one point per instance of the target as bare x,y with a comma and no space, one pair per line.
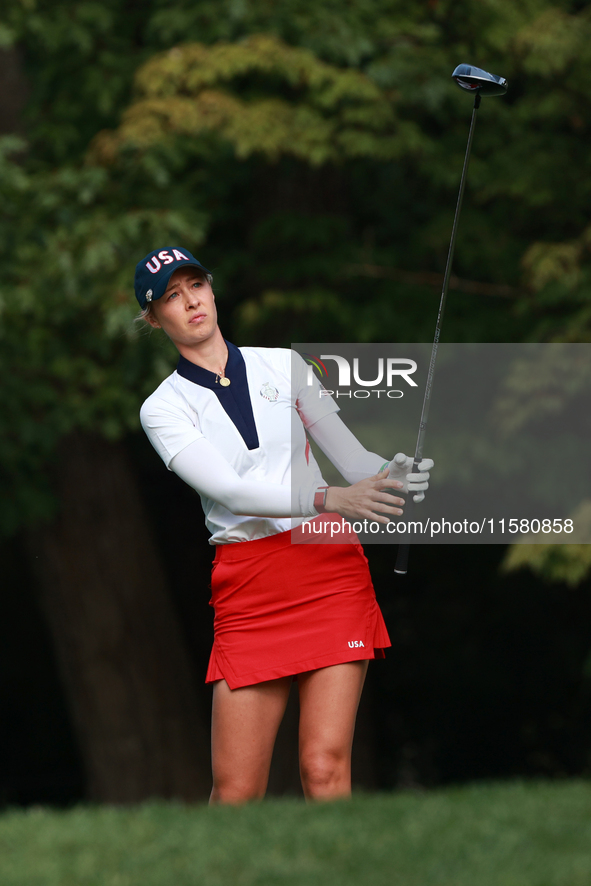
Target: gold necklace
222,379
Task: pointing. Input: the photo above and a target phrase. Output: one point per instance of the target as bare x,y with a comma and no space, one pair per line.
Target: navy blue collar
235,399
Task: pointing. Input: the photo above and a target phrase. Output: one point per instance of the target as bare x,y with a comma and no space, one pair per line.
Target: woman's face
186,312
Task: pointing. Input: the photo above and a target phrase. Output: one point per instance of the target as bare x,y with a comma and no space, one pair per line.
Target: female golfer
232,423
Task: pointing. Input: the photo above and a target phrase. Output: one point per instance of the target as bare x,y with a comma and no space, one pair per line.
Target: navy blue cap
154,271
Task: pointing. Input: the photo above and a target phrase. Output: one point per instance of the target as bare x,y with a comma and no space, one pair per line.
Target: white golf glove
400,469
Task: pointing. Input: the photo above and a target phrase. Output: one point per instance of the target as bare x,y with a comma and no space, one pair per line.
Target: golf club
480,83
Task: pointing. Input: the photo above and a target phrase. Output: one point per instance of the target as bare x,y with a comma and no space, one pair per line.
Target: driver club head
478,81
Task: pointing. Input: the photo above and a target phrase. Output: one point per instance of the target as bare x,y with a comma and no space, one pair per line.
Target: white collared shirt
181,412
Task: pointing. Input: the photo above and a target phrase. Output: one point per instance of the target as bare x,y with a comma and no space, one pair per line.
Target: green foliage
570,563
289,315
538,390
71,355
337,113
502,835
296,144
541,385
79,59
517,183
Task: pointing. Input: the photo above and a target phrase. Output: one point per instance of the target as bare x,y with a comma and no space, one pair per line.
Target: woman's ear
151,319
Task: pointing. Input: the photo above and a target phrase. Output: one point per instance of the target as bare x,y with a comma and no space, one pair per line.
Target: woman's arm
350,458
355,463
202,467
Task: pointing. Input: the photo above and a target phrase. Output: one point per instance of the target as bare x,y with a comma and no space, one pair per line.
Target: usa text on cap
154,271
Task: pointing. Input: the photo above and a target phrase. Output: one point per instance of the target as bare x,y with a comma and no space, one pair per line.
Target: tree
70,390
317,164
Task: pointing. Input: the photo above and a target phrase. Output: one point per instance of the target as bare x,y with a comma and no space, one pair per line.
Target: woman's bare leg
243,730
329,699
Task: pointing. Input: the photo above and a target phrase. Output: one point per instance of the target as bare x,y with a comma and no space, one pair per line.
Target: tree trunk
14,91
126,673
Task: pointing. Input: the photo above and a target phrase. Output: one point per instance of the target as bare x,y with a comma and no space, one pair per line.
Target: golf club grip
401,566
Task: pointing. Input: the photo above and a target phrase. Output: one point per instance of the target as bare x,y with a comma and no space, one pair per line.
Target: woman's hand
369,499
417,483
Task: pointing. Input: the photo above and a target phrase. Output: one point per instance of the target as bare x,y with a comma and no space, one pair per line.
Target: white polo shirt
257,424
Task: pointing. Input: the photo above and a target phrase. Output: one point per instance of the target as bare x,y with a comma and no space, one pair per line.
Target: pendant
224,382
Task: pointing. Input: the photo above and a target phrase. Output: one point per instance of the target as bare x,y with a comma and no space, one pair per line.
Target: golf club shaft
403,549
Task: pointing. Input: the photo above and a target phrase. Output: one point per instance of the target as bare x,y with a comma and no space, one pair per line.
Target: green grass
516,834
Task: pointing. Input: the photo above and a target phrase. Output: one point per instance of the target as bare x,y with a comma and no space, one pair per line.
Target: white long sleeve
205,470
202,467
350,458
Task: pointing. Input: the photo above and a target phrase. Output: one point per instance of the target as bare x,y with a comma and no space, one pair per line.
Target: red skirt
283,609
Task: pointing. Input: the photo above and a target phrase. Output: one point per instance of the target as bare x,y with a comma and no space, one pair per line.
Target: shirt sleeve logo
268,392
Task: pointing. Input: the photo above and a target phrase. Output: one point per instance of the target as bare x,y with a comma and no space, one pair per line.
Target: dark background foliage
339,239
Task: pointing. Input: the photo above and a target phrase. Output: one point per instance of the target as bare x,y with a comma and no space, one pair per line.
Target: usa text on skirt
283,609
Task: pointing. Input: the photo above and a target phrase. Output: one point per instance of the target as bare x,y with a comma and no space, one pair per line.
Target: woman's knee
236,793
325,772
